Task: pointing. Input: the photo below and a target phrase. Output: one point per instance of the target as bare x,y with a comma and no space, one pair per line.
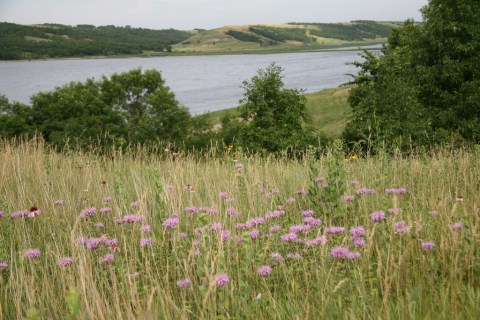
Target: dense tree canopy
130,107
274,117
424,87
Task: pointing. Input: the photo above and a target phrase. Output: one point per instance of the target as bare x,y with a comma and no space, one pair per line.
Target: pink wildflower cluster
378,216
401,227
363,191
334,230
264,271
344,253
396,191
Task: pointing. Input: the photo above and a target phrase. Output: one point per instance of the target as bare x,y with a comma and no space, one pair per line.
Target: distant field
328,109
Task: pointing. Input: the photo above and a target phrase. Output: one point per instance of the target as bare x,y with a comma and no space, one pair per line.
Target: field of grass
140,236
328,110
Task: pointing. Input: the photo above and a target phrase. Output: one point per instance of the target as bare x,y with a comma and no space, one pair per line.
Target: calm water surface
201,83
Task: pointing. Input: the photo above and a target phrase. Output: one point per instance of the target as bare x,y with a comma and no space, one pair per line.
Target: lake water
201,83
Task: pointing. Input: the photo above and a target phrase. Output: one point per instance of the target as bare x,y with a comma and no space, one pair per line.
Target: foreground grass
224,214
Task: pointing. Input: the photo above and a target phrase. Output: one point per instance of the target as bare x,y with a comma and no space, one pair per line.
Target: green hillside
285,37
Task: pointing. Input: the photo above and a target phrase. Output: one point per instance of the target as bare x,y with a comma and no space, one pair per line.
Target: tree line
57,41
136,107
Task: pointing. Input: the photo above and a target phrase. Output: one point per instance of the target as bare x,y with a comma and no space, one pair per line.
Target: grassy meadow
132,235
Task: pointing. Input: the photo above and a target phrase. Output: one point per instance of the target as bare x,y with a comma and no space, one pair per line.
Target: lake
201,83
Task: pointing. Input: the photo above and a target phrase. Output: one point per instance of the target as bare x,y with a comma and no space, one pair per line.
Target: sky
204,14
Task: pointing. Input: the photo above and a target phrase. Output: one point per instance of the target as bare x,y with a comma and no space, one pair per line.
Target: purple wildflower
58,202
288,237
239,165
334,230
232,212
307,213
357,231
394,211
65,261
135,204
105,210
241,226
315,242
88,212
275,191
396,191
170,223
215,226
456,226
277,257
3,265
223,195
93,243
221,280
359,242
363,191
353,255
339,252
378,216
318,180
226,234
354,183
291,200
401,227
348,198
182,235
191,210
147,242
106,259
32,253
255,222
18,214
274,214
264,271
428,245
146,228
312,221
300,228
184,283
302,192
295,256
254,234
99,225
107,199
274,229
132,218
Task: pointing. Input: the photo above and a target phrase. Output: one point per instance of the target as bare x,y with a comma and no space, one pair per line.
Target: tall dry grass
393,279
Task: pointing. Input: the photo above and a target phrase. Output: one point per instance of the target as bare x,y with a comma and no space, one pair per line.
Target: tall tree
424,87
274,116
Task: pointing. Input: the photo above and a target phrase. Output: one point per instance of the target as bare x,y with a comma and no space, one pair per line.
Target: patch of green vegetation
282,34
356,30
328,109
243,36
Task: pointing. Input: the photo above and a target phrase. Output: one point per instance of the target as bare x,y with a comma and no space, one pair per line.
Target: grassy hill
285,37
329,111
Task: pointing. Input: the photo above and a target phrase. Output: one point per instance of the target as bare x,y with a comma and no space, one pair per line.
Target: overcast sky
207,14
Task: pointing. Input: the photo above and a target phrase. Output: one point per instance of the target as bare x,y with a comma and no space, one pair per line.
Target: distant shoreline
332,48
